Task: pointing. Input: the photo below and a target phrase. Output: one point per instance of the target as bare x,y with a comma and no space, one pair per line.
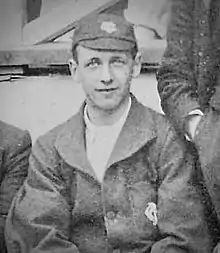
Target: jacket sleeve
177,85
39,219
217,249
181,212
15,163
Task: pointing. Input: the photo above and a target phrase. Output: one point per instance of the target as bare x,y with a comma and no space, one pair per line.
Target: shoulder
12,137
158,120
148,118
49,138
162,127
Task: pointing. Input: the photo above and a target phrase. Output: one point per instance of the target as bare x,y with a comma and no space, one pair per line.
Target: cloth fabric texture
15,148
189,79
148,200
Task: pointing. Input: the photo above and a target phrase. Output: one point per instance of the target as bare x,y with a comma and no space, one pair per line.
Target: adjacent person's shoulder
50,137
12,136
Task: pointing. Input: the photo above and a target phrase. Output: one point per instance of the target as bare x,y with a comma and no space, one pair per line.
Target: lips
106,89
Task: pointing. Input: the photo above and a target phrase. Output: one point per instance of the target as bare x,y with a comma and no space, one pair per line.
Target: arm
176,81
181,215
40,216
15,166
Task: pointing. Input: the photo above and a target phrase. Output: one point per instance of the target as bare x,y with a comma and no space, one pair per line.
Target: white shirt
100,141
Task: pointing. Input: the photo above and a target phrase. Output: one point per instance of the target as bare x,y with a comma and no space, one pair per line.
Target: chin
107,106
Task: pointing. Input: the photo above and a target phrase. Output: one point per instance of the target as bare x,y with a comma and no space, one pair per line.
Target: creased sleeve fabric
177,85
39,219
181,212
15,166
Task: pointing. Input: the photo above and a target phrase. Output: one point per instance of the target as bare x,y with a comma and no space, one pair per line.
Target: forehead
87,53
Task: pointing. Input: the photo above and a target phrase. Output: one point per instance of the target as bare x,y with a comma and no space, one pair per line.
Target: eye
93,63
119,62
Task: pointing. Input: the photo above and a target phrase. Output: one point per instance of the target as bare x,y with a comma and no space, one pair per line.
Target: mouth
106,90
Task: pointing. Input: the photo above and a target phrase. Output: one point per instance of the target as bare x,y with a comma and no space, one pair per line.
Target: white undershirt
100,141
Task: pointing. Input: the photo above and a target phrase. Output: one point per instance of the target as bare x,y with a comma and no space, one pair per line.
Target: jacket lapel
71,145
136,132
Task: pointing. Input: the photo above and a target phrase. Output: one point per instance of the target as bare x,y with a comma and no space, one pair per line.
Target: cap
105,32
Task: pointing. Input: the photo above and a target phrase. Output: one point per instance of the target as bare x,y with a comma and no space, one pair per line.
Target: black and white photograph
109,126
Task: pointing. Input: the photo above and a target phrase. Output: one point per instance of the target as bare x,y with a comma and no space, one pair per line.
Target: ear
137,65
73,69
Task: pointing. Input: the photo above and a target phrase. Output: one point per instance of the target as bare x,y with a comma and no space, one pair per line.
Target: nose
106,75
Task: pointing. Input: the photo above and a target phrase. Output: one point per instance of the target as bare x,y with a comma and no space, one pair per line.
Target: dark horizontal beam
58,53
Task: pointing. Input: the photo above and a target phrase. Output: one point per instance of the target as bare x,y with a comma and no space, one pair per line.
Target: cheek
88,78
123,76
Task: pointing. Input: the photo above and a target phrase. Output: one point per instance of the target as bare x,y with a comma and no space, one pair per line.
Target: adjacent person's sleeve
39,218
181,212
217,249
15,163
177,85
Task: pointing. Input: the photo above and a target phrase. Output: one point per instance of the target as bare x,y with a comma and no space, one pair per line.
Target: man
114,178
189,86
15,147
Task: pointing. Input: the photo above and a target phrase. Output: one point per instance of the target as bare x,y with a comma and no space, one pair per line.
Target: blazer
15,148
147,202
188,75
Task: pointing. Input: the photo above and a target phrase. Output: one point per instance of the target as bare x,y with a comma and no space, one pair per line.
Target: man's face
105,76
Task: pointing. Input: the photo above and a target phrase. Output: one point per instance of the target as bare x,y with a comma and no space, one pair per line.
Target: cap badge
151,212
108,27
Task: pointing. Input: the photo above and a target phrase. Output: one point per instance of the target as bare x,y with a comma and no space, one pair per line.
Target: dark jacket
147,202
15,148
187,78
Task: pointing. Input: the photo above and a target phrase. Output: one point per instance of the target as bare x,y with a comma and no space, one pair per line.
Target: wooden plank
59,53
61,19
11,70
153,52
45,54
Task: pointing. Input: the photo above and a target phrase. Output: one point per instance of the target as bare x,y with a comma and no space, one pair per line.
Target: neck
101,117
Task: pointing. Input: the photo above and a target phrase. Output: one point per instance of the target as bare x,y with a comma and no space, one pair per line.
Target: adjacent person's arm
15,169
181,214
176,81
39,219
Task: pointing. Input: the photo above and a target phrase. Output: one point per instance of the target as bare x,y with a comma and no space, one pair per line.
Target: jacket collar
136,132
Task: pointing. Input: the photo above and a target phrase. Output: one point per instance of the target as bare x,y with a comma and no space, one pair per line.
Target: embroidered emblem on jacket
151,212
108,27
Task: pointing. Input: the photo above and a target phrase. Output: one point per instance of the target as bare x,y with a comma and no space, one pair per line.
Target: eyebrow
123,58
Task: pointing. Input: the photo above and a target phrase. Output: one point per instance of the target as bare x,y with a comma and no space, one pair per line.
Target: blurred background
36,89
